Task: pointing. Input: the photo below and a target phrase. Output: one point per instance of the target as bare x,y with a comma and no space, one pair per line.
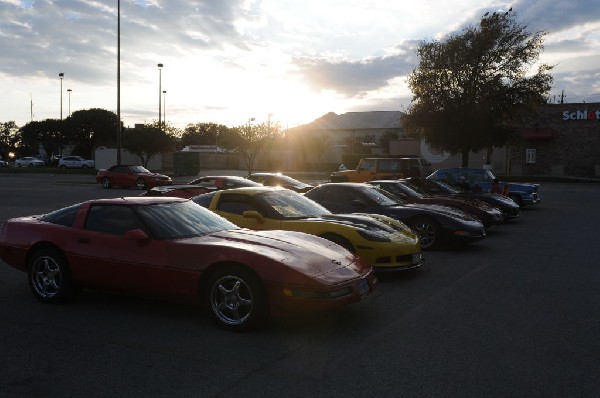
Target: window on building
530,156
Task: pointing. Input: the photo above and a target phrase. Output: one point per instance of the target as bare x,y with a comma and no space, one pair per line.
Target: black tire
236,298
428,231
62,166
340,240
140,184
85,166
49,276
106,184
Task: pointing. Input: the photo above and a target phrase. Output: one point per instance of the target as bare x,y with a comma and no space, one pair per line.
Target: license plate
363,287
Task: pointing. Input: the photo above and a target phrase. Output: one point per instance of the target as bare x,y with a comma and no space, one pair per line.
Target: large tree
470,90
203,134
8,137
249,140
147,141
91,128
49,133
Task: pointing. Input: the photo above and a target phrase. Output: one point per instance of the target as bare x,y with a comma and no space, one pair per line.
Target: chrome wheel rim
231,300
46,277
140,184
106,182
426,232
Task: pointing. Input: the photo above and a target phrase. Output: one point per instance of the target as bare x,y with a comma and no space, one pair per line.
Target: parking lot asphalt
516,314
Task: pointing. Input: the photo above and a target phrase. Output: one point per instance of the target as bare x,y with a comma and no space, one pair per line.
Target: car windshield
139,169
419,192
177,220
447,187
381,197
412,191
292,205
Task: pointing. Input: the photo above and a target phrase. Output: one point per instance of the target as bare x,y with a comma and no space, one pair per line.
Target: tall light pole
60,76
159,92
118,82
164,107
69,91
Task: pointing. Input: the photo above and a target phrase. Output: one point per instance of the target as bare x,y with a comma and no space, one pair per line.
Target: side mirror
136,234
253,214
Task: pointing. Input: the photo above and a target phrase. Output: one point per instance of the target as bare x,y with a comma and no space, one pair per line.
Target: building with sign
559,140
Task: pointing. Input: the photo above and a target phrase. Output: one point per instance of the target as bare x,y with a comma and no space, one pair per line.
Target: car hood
156,175
306,253
445,210
368,221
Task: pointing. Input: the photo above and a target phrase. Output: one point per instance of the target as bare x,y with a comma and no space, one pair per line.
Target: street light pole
69,91
159,92
118,82
60,76
164,107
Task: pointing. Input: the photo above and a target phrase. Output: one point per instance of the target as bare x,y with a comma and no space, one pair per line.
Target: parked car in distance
131,176
75,162
175,249
435,225
508,206
225,182
179,191
3,163
522,193
486,213
279,180
383,169
29,161
383,242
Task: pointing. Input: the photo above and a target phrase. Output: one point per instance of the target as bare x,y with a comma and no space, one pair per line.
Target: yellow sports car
386,244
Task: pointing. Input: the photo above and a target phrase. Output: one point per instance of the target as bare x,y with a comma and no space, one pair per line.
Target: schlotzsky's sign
581,115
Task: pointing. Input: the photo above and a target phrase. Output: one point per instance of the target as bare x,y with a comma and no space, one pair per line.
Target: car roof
255,190
138,200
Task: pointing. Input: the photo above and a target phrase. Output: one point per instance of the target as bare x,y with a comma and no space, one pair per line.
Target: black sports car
434,224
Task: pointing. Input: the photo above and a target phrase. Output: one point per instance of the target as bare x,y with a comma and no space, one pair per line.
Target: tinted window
235,204
112,219
64,216
204,200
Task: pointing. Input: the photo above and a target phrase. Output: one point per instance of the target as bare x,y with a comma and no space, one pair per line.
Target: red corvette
131,176
176,249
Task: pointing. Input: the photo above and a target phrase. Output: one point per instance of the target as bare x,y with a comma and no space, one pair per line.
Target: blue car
481,180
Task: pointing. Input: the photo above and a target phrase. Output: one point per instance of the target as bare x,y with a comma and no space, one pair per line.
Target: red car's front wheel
236,298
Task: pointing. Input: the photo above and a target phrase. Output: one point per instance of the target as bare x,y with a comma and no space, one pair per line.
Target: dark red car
131,176
174,248
486,213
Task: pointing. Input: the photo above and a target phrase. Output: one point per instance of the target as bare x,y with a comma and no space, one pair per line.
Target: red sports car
174,248
131,176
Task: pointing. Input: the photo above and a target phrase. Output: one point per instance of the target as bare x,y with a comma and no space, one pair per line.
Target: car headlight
374,236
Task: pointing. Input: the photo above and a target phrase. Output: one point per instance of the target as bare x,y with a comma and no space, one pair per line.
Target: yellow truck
369,169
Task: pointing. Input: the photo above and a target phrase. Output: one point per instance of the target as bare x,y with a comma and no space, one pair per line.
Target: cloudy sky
227,61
